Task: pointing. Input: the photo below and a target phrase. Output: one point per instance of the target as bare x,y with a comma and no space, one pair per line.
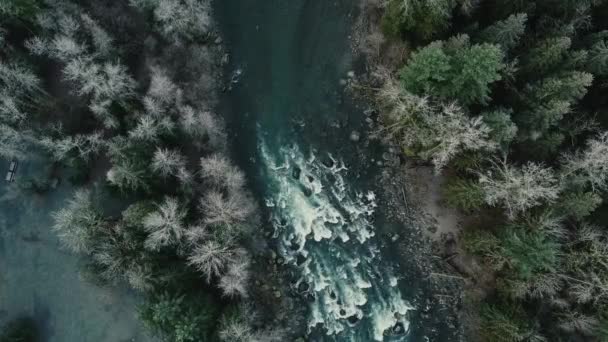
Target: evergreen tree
421,18
506,33
454,70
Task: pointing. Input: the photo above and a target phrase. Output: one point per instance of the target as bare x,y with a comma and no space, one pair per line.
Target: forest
506,100
503,99
128,114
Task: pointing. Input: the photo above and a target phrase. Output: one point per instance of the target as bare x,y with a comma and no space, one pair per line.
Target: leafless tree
211,258
518,188
167,162
589,166
165,225
230,210
78,222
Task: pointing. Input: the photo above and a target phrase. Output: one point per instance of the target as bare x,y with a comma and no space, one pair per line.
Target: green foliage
423,19
550,99
130,161
427,69
179,318
454,70
506,323
20,330
505,33
598,58
503,128
602,328
529,252
580,204
25,10
465,194
547,54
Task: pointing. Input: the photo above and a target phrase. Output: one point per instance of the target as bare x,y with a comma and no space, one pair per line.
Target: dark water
39,279
292,121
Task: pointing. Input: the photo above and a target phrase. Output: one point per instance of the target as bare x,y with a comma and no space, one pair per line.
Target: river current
291,121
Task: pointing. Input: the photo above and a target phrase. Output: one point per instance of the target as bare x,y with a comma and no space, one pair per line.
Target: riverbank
416,190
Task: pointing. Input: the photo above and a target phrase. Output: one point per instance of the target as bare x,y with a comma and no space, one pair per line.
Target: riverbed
299,136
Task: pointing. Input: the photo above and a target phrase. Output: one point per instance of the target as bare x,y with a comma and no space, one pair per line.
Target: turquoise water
291,122
38,278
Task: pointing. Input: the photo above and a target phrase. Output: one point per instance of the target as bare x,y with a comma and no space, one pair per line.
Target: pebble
355,136
277,294
350,74
218,40
225,58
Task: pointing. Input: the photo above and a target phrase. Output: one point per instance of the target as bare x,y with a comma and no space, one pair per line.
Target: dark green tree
505,33
529,252
503,128
421,18
454,70
465,194
178,318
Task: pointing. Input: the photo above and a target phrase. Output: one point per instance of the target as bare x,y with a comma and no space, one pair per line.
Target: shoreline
439,225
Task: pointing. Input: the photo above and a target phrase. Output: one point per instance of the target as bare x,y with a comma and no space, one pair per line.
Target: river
291,123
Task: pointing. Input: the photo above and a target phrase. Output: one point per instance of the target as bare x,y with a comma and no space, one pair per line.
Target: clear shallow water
291,123
41,280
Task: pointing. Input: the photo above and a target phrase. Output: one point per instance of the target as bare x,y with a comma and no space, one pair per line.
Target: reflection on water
326,231
40,279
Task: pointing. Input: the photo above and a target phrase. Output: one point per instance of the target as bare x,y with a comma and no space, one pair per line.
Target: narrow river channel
291,122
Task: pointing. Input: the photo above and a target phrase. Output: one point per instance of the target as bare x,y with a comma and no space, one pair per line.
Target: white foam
314,210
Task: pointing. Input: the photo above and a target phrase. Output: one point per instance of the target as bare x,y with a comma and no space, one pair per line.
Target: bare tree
229,210
14,143
220,172
165,225
234,282
589,166
179,20
202,125
167,162
518,188
82,145
435,132
211,258
77,223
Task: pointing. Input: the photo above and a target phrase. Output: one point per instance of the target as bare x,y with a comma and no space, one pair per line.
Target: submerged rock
355,136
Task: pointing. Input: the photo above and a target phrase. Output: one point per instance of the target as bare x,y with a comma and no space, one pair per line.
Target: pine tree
454,70
505,33
580,204
421,18
547,55
464,194
503,130
598,58
529,253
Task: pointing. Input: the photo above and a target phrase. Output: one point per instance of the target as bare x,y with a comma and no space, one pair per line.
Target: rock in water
355,136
